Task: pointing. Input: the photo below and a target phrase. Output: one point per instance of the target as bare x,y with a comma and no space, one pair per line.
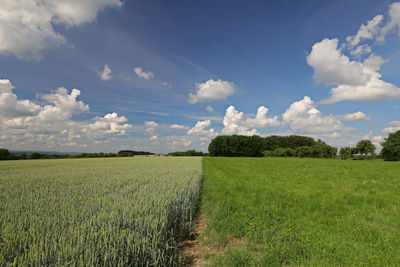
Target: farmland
288,211
107,212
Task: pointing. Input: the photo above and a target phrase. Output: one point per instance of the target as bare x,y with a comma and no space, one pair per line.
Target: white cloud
64,105
396,107
10,106
166,84
375,89
150,127
105,75
210,109
51,126
154,137
378,139
374,62
393,127
111,124
355,80
394,21
368,31
261,120
212,90
143,74
356,116
183,142
303,117
331,67
179,127
27,26
361,50
200,129
235,122
334,135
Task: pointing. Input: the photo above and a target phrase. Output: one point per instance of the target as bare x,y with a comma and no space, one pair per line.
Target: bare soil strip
191,249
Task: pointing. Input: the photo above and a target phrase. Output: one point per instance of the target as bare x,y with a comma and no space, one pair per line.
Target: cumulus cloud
153,138
183,142
27,125
236,123
179,127
105,74
64,105
200,129
27,26
212,90
356,116
361,50
393,127
331,67
261,120
111,124
355,80
147,75
303,117
150,127
11,106
210,109
366,31
394,21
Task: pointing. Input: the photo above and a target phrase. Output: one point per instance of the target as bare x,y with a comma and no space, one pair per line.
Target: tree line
271,146
300,146
5,154
190,153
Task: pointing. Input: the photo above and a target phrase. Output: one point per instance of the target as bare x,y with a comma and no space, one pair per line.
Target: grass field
96,212
289,211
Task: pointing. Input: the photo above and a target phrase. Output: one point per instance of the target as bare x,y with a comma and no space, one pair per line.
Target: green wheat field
257,211
96,212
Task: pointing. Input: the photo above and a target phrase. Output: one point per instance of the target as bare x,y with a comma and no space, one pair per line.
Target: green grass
96,212
289,211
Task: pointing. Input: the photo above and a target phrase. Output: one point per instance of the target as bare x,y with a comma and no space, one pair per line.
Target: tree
237,146
345,152
4,153
391,147
365,147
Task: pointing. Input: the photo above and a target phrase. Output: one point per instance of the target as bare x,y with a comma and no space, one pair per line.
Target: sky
162,76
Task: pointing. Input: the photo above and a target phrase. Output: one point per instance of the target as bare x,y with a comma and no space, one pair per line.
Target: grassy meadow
290,211
96,212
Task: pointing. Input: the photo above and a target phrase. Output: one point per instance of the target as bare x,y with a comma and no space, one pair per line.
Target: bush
391,147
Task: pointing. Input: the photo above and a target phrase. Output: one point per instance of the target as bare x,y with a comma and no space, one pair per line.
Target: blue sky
182,72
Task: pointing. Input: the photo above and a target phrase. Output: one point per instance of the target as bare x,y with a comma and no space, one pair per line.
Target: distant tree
391,147
35,155
345,152
4,153
365,147
187,153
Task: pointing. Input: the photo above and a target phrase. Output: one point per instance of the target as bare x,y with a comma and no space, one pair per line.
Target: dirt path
191,250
